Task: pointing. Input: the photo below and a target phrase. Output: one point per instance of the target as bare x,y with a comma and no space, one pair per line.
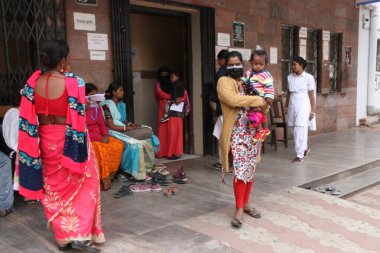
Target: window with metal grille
335,62
287,53
312,55
25,24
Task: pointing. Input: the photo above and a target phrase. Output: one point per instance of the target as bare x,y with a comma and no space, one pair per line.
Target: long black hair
52,52
111,88
301,61
164,80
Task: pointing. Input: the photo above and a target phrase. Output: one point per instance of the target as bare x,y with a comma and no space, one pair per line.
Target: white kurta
299,110
299,103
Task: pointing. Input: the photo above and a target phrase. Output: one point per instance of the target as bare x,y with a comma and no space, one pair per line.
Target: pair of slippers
171,191
160,168
334,191
251,212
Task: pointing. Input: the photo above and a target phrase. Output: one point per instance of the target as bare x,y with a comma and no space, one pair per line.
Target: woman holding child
237,135
170,90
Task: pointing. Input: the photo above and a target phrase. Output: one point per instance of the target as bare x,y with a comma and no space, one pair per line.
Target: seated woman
108,150
138,156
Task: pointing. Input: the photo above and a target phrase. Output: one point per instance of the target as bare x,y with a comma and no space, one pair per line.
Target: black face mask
235,72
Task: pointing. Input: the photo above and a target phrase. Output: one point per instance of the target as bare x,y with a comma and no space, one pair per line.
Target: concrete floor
197,220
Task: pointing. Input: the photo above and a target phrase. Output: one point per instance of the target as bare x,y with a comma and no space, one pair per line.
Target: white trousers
300,134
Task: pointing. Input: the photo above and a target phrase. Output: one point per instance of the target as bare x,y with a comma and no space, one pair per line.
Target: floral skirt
71,200
108,155
244,149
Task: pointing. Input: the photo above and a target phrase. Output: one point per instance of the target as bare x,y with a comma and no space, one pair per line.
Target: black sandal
253,213
78,245
123,191
236,223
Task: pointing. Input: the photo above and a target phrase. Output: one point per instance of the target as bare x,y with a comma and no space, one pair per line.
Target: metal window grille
312,51
287,53
25,24
334,62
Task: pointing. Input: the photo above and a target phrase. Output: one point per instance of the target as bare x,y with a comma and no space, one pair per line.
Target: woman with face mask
108,150
237,136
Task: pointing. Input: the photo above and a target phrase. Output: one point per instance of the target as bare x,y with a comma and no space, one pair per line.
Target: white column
373,106
363,53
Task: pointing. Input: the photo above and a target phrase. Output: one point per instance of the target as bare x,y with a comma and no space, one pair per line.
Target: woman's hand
311,116
105,139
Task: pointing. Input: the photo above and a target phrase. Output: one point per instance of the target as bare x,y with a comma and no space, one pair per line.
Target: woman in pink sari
56,161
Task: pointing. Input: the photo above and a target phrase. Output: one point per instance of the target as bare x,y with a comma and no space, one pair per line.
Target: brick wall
263,20
98,72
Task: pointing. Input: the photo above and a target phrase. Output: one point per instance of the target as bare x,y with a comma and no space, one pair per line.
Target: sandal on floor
179,181
4,212
253,213
236,223
168,192
30,201
78,245
123,191
175,190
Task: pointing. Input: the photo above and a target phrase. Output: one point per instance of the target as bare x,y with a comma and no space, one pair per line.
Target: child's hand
177,100
269,101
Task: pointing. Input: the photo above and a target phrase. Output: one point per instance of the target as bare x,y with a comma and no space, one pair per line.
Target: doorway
158,38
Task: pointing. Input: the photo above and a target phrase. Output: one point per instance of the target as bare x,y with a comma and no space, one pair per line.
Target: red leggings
242,191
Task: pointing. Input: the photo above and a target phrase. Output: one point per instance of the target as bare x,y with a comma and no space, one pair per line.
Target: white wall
373,105
362,76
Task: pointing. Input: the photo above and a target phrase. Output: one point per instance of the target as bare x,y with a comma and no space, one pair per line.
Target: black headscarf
164,80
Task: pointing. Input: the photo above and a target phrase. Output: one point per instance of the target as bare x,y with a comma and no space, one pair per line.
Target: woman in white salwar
300,106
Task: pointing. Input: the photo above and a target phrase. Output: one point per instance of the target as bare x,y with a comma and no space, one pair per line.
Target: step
353,184
341,175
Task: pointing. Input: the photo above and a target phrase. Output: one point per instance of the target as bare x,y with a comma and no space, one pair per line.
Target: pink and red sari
56,165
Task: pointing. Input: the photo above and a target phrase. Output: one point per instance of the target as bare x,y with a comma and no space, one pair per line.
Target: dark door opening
158,38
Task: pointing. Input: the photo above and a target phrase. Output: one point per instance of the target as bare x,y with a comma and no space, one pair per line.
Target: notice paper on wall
84,21
303,32
224,39
326,50
246,53
97,41
325,35
273,55
303,48
97,55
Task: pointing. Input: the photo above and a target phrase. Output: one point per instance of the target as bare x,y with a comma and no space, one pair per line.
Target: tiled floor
197,219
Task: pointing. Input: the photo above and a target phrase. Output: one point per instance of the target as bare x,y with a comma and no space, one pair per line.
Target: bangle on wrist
124,128
129,123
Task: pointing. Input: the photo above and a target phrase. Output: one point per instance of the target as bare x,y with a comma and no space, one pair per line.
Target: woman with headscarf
300,106
163,95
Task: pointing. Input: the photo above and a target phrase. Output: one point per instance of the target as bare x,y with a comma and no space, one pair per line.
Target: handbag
140,134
